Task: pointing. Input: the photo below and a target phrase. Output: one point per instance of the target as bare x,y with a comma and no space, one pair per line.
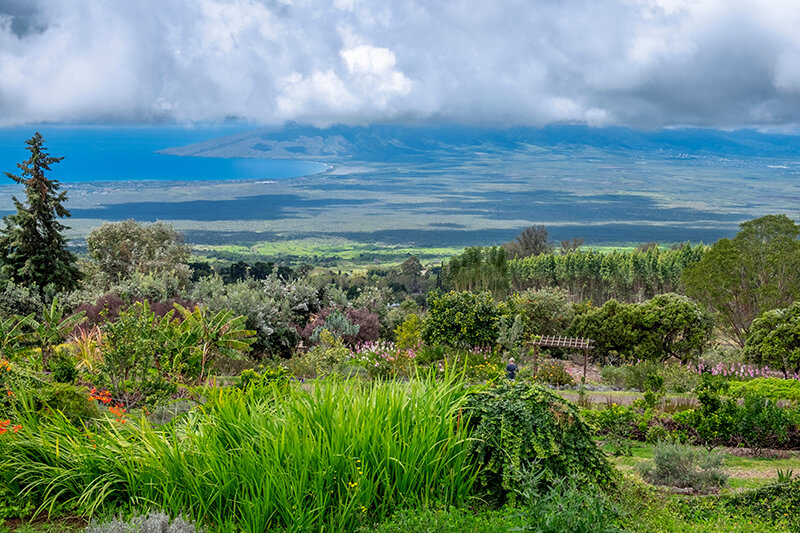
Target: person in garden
511,369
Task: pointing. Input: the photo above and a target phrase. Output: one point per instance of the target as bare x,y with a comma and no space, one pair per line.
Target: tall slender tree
32,248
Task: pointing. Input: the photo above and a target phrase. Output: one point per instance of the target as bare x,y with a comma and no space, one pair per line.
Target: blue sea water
129,153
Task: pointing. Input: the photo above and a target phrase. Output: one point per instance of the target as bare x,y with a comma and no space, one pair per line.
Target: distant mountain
392,142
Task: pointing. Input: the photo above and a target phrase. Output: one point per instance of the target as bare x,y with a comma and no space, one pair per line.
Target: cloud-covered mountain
396,143
641,63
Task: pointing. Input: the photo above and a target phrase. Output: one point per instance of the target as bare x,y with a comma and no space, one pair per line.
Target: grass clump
330,456
678,465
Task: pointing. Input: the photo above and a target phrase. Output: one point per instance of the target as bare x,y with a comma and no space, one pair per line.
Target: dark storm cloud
21,16
719,63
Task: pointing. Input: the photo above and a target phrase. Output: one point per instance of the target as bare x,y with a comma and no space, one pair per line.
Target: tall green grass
327,457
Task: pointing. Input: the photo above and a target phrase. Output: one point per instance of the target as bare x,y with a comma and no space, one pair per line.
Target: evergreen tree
32,248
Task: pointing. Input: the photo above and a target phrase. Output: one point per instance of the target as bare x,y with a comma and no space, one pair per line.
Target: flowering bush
735,370
554,373
384,359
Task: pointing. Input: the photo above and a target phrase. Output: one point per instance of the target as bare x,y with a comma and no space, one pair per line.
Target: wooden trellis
547,341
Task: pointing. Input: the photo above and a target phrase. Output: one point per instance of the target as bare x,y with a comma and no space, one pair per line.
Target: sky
637,63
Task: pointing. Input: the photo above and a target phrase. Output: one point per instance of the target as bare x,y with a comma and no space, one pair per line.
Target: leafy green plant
63,364
777,501
614,375
520,427
326,357
13,335
139,347
337,324
642,375
87,345
785,475
615,423
52,329
212,335
251,378
760,423
69,401
570,506
679,378
679,465
409,333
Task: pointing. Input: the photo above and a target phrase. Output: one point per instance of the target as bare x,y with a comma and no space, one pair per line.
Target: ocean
130,153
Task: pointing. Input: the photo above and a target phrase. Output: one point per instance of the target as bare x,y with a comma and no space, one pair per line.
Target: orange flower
9,393
118,411
101,396
17,427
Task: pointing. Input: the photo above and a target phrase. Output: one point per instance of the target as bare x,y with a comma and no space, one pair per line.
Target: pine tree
32,247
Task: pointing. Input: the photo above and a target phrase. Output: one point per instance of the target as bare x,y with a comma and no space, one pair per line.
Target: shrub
773,388
69,400
666,326
679,465
153,522
614,376
324,358
679,378
642,375
461,319
384,360
354,326
63,365
409,333
671,325
132,346
760,423
485,369
251,378
19,300
272,308
518,428
612,327
615,423
714,422
369,327
554,373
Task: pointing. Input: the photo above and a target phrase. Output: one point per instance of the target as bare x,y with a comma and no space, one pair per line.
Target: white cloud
723,63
